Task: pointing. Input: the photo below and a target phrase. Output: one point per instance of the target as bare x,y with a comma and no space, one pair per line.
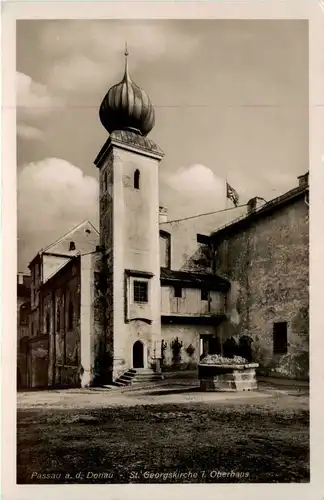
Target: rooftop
264,210
189,279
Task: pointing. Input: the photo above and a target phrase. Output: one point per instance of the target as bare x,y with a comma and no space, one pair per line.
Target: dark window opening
72,246
70,316
137,179
280,340
32,329
140,291
178,291
214,346
48,326
204,294
88,231
105,183
24,313
165,249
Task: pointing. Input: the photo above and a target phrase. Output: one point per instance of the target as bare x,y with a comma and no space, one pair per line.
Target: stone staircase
136,377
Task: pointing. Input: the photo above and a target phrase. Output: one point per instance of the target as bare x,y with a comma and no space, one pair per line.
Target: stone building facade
145,293
23,312
265,256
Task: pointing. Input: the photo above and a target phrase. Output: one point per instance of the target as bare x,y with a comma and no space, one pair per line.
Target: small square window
140,291
178,291
280,341
204,294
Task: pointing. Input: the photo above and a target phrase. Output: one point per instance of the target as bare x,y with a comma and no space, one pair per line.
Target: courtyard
163,435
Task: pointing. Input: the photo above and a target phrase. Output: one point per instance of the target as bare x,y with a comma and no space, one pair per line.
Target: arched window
48,325
72,246
137,179
165,249
70,316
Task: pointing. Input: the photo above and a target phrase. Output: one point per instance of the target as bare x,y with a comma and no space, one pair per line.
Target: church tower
129,228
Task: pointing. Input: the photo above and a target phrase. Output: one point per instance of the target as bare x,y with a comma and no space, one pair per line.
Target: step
127,377
143,370
125,381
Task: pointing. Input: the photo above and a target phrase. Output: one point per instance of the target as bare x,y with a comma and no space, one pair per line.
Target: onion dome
127,107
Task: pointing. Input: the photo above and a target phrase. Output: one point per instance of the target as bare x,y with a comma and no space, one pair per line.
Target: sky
230,98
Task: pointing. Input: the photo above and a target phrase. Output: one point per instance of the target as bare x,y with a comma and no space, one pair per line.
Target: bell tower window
137,179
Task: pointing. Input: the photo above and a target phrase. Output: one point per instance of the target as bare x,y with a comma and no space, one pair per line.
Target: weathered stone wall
267,264
38,361
63,338
22,340
104,286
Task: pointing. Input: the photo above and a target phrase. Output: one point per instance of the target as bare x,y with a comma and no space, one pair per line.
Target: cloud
191,191
33,98
53,197
34,104
76,73
101,44
197,180
28,132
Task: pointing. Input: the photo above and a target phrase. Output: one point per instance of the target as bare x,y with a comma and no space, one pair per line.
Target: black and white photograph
162,276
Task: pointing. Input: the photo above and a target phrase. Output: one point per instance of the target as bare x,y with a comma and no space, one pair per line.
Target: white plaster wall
187,334
86,319
136,247
51,264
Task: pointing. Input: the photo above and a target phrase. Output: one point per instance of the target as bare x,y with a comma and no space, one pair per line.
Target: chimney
163,215
303,179
251,205
20,279
254,203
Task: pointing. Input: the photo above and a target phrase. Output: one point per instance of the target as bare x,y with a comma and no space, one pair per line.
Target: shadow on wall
200,261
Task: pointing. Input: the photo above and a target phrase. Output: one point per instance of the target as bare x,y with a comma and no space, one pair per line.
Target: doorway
138,354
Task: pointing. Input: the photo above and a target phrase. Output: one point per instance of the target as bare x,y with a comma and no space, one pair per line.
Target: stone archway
138,354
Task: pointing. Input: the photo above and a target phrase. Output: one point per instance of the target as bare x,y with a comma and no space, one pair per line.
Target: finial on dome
126,75
126,106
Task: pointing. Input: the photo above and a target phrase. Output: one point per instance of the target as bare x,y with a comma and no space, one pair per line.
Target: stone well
240,377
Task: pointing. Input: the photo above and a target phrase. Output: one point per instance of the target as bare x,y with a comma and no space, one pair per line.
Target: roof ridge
68,233
268,204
